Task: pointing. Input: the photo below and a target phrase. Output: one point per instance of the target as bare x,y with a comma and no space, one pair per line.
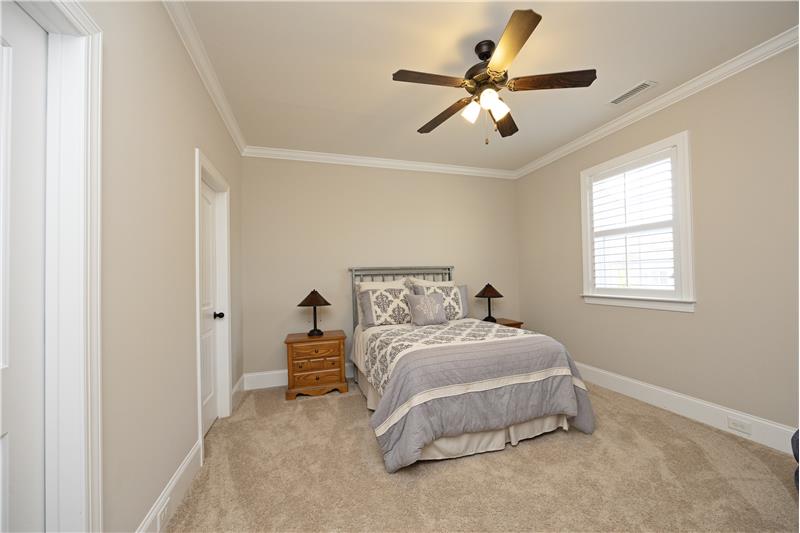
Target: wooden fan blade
412,76
444,115
559,80
506,125
519,28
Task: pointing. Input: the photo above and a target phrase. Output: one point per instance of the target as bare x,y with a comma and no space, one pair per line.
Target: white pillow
391,284
399,283
426,283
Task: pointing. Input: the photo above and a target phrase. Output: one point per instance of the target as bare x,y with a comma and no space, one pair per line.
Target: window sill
660,304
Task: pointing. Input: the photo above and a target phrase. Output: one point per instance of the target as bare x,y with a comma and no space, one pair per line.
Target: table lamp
314,299
489,292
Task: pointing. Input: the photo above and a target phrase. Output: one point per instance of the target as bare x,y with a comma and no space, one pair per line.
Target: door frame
206,172
73,414
5,170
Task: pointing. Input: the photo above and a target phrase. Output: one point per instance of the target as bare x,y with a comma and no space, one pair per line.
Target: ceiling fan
484,80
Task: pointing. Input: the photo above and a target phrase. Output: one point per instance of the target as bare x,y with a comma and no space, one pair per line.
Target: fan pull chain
486,127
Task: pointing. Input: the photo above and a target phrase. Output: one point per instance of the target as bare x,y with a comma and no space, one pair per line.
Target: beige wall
155,112
739,348
305,224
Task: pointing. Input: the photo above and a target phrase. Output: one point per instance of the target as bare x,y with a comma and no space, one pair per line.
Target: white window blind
632,225
635,235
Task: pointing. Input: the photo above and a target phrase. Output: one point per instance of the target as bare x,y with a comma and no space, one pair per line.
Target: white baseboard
173,493
277,378
265,380
236,393
763,431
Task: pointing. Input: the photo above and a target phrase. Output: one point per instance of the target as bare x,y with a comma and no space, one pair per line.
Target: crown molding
375,162
187,31
755,55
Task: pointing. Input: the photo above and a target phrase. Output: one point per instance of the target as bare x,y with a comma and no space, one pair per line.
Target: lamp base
490,318
315,333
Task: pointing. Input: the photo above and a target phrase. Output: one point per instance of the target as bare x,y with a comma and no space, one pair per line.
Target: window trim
683,298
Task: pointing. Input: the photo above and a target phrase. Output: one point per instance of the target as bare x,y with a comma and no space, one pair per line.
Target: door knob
219,315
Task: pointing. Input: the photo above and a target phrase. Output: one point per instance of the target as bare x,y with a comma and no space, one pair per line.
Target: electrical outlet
740,425
161,517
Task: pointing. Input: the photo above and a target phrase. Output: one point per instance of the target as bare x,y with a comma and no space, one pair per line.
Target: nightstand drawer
315,349
309,365
316,378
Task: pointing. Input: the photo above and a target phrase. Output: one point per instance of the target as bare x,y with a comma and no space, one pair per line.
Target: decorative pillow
369,285
462,289
426,310
383,307
411,282
391,284
453,308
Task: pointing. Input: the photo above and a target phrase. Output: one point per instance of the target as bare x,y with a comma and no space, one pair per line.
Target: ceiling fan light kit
484,80
488,97
471,112
499,109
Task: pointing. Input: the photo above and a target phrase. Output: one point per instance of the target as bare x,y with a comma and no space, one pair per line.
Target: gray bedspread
464,377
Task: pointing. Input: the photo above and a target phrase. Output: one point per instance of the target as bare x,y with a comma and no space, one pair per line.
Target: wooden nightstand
315,364
510,323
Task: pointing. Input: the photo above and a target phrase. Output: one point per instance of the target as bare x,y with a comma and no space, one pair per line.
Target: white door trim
5,171
73,417
206,172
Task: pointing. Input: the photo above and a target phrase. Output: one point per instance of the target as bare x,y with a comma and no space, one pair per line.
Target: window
636,213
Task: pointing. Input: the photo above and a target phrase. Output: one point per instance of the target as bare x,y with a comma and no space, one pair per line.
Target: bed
462,387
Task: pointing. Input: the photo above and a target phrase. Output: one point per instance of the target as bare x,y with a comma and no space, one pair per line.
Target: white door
208,306
22,419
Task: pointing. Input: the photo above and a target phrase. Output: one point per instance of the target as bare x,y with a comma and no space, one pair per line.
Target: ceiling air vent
641,87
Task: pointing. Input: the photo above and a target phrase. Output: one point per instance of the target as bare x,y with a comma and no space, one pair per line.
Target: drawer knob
317,378
316,350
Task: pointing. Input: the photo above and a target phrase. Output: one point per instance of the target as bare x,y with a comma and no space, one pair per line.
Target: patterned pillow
383,307
369,285
426,310
453,308
462,289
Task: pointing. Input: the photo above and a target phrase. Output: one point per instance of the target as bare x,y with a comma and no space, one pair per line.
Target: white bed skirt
472,443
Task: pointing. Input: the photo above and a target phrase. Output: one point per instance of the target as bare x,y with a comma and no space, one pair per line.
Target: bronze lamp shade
314,299
489,292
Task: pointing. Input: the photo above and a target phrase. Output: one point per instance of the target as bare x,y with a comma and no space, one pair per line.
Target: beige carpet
313,464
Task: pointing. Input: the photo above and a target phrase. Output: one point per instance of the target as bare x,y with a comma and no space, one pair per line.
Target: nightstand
510,323
315,364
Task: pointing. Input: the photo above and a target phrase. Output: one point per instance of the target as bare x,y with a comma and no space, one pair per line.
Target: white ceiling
318,76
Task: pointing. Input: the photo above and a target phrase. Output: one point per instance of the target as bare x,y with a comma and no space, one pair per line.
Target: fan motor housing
479,79
478,72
